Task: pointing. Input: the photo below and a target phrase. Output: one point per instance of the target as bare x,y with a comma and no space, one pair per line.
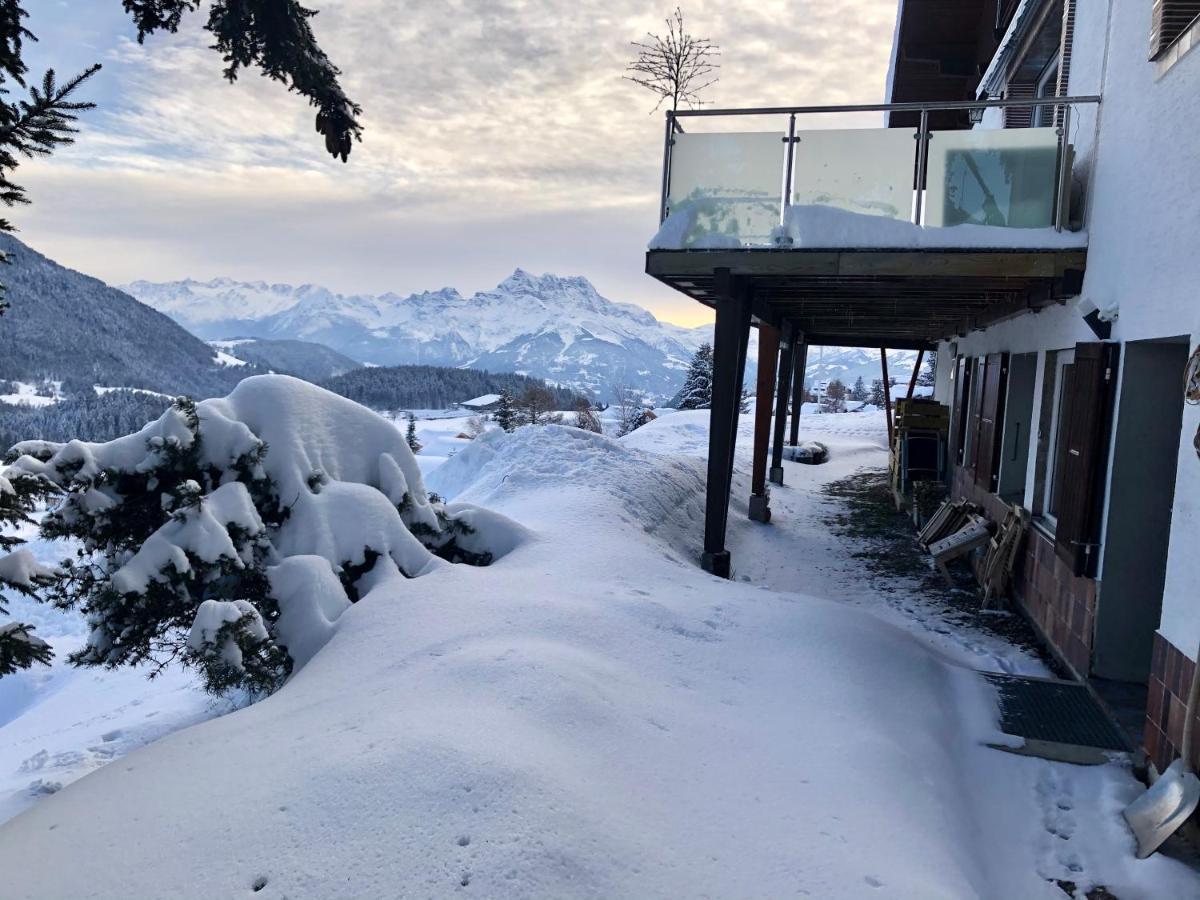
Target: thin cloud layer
498,134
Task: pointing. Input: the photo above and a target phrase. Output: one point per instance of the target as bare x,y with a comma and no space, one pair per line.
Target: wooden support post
912,382
887,396
730,334
798,378
787,361
768,360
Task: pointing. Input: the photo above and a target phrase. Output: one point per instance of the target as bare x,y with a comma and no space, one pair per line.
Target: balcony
874,236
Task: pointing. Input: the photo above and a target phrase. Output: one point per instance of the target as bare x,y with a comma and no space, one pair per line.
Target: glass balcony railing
869,187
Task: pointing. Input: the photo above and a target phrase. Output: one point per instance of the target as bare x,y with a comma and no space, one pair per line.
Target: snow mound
498,465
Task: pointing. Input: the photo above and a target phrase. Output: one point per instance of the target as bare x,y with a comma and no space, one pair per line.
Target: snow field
593,716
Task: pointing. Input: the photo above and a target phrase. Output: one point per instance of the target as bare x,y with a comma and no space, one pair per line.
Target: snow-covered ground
58,723
27,394
593,716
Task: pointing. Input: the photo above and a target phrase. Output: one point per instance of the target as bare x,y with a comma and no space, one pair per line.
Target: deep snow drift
592,716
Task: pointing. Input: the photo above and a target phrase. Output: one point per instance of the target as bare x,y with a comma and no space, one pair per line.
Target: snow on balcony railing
903,188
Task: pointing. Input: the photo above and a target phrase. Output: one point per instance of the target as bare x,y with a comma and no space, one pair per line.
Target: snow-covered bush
19,571
229,534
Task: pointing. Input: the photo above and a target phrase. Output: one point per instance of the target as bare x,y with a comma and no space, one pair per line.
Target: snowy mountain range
555,328
848,364
559,329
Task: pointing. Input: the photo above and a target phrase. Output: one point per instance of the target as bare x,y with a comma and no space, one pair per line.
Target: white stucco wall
1145,181
1143,177
1144,224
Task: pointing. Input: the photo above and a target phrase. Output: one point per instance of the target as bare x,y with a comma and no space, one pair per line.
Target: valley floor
591,716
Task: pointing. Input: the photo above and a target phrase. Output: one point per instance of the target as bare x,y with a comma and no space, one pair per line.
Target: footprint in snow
35,763
42,788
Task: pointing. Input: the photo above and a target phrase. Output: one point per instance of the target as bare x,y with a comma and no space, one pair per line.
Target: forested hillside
66,326
304,359
432,387
82,415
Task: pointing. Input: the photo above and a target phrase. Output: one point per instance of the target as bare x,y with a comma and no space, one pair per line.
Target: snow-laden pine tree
19,571
506,412
231,534
928,376
697,387
410,434
878,398
859,391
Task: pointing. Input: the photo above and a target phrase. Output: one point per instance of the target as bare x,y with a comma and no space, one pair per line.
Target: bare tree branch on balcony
676,66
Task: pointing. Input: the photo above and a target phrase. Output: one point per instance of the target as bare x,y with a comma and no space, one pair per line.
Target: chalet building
1025,206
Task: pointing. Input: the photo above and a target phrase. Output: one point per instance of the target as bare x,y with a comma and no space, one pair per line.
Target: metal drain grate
1055,712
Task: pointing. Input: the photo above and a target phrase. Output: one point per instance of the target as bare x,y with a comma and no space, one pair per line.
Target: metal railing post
789,161
922,139
1062,202
668,143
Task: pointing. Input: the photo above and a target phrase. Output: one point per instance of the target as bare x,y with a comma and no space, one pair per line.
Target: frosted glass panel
733,182
864,170
1004,177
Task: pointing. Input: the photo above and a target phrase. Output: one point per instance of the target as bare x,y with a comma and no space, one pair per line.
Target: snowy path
592,716
1071,827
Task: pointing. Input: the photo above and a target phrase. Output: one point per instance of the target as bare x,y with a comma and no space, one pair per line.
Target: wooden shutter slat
991,412
1066,48
1168,20
1079,471
1019,116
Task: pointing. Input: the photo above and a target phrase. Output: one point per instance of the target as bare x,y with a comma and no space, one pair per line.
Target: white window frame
1062,359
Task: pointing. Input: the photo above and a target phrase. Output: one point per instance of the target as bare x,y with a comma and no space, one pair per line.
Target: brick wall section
1063,605
1170,677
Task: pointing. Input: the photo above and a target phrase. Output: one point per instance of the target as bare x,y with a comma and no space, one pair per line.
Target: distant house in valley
486,403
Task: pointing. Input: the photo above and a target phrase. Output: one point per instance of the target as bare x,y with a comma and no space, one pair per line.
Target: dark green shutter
1080,469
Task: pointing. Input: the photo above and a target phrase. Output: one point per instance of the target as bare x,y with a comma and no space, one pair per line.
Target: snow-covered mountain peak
555,327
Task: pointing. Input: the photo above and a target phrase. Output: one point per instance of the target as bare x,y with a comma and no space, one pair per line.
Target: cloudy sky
499,134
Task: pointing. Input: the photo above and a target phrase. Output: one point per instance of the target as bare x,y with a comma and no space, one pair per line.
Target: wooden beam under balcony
897,297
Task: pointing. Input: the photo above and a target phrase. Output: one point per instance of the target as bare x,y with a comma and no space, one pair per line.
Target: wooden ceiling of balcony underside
872,298
943,48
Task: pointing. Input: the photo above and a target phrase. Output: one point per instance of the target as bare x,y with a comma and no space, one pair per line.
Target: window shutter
974,408
1081,468
962,393
1019,116
1168,20
991,417
1064,57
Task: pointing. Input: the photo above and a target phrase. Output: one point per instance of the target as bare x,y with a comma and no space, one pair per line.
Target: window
1047,86
1040,63
1170,19
1064,378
